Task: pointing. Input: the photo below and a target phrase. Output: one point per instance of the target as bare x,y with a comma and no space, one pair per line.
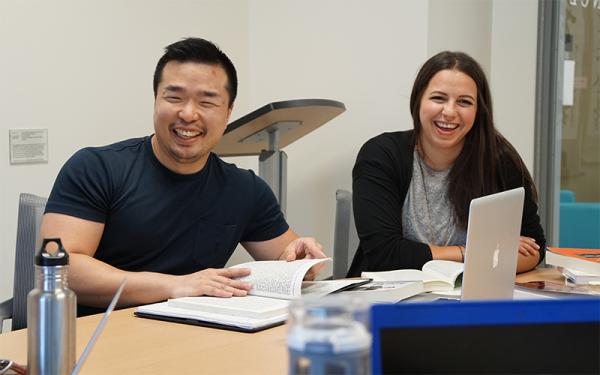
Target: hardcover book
584,260
274,285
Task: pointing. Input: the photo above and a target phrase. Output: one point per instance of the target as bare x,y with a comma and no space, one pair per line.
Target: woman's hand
527,246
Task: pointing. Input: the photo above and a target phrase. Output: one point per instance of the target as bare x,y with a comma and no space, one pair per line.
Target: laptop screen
556,336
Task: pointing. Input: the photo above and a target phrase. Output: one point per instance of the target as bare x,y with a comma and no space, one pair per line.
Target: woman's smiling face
447,111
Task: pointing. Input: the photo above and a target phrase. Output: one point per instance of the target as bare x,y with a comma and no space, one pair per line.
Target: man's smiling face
191,111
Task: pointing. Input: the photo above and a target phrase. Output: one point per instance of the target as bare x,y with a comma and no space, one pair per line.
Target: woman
412,189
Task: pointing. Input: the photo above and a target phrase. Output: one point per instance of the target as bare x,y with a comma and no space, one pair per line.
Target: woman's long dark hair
475,172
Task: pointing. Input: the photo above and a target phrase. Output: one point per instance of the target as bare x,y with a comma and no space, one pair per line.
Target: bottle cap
45,258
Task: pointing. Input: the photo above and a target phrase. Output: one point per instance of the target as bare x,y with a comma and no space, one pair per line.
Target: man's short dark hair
201,51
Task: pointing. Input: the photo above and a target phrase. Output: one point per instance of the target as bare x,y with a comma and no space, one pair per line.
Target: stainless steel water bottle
51,313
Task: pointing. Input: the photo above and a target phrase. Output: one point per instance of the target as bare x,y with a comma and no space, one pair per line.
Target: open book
274,285
436,275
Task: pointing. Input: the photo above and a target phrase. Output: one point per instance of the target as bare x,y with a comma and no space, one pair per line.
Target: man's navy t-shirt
160,221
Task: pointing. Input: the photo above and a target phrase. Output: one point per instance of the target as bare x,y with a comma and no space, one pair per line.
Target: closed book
248,306
584,260
579,277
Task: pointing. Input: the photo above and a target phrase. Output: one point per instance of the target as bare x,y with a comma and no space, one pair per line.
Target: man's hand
294,247
527,246
305,248
211,282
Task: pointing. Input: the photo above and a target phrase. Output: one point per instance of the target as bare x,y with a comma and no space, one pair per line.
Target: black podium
266,130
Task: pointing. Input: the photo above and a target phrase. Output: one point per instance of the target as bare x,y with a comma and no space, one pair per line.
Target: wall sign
28,146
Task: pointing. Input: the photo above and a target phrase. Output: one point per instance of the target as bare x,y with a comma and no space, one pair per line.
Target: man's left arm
288,246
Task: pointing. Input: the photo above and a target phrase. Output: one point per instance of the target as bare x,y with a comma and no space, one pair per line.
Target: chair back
579,225
345,241
31,211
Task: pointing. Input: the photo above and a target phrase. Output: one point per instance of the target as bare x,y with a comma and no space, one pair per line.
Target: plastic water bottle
329,336
51,314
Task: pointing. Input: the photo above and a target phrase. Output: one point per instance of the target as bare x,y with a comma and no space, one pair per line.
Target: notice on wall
568,82
28,146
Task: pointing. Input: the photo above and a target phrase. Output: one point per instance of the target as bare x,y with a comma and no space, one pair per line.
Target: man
163,210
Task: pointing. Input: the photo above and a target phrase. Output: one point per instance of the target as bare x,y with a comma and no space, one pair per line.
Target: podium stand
266,130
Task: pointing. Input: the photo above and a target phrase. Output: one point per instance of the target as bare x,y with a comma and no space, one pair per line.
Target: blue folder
533,337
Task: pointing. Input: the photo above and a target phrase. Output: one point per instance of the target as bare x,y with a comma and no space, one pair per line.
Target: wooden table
131,345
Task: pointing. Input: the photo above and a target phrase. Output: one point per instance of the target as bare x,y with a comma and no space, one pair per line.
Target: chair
579,222
567,196
579,225
31,210
345,241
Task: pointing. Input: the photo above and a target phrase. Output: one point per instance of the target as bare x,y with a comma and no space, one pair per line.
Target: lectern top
293,119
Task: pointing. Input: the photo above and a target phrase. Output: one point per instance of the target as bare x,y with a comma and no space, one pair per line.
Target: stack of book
581,266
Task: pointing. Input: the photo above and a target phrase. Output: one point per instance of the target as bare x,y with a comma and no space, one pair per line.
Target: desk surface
130,345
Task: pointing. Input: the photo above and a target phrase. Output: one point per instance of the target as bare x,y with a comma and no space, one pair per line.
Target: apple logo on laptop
495,257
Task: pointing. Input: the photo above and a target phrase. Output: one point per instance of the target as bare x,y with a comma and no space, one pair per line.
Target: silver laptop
492,246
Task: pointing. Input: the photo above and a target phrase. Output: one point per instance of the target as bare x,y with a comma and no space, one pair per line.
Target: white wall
461,25
83,70
513,73
364,54
502,36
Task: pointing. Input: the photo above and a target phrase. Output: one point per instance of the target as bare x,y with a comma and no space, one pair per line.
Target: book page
386,291
277,278
437,275
445,270
248,306
399,275
322,288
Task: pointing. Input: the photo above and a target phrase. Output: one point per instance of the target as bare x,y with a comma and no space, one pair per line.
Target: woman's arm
381,177
455,253
532,246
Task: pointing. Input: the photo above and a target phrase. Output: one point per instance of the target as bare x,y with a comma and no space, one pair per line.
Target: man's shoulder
121,150
131,145
235,180
231,170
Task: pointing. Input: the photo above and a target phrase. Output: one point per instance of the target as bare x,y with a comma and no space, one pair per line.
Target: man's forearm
95,283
